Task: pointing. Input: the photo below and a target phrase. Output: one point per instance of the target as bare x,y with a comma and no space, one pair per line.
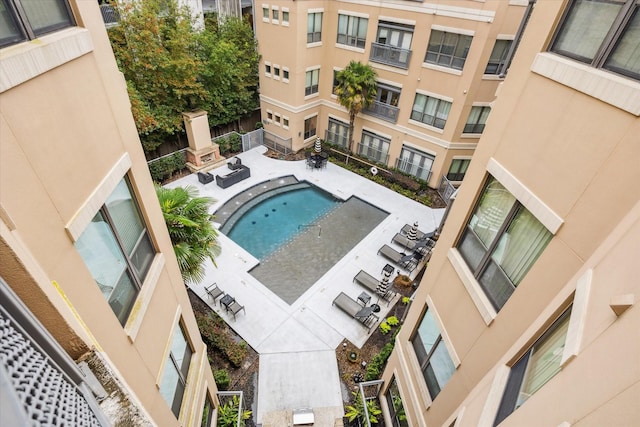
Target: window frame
335,137
477,127
629,9
182,369
499,63
391,404
315,35
458,173
520,369
307,127
381,146
25,31
353,40
312,89
460,39
412,161
434,122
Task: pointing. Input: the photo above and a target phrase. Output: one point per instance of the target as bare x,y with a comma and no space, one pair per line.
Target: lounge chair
214,291
371,283
350,306
423,245
419,234
408,262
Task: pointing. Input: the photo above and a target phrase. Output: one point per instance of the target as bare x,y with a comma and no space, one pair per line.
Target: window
374,147
22,20
285,74
311,82
338,133
602,33
267,69
176,368
385,105
117,249
310,126
285,16
285,122
335,82
430,111
392,45
275,15
276,72
352,30
477,119
448,49
433,356
314,27
207,412
265,13
269,116
415,163
501,242
277,116
497,60
538,365
396,407
457,169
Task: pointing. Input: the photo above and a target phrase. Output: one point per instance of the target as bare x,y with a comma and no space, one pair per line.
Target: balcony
390,55
383,111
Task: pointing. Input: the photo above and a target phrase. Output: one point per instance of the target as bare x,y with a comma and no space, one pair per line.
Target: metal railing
277,143
413,169
446,189
384,111
373,153
334,138
390,55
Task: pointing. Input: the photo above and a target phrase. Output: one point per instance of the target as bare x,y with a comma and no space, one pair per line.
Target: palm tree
191,230
356,90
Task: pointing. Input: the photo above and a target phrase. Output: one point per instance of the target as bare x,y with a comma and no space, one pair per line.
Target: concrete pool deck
297,342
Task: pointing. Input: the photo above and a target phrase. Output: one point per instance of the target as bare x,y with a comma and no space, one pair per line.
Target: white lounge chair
408,262
371,283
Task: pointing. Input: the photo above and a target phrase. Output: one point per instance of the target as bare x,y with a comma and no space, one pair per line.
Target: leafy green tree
154,43
229,53
191,230
356,90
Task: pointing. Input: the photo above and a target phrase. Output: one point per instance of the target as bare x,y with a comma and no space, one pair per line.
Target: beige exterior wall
571,156
67,137
285,46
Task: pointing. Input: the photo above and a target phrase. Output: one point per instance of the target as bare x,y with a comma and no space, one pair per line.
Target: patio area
296,342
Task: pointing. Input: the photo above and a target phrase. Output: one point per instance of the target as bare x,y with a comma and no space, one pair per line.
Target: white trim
472,286
390,83
310,115
352,13
529,200
621,92
85,213
469,14
25,61
494,397
578,319
440,68
314,44
433,95
376,132
443,332
453,30
505,37
349,47
409,377
518,2
481,104
167,348
390,69
311,68
426,126
396,20
419,148
461,158
132,327
494,77
315,10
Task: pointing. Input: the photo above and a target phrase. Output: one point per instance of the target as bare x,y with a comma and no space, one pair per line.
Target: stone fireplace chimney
202,153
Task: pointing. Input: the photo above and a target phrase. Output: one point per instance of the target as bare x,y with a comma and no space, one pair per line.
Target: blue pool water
275,221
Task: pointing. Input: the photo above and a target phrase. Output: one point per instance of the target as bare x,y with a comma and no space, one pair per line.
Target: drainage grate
46,394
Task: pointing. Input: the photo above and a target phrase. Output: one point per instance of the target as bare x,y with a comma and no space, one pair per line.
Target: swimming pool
274,221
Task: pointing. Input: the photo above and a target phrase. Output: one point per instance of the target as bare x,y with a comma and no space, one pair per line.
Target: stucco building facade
83,242
528,310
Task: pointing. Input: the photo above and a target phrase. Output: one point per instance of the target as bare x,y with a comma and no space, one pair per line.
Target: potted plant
402,280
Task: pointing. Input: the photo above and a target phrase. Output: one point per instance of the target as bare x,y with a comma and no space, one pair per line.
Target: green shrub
223,143
222,379
214,334
392,320
384,328
235,143
375,367
163,168
228,414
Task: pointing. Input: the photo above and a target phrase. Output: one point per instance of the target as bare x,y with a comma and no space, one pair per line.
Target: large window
430,111
538,365
176,368
498,58
501,242
433,356
352,30
117,250
393,43
314,27
458,169
396,407
338,133
311,82
415,162
310,126
477,119
448,49
602,33
22,20
374,147
385,104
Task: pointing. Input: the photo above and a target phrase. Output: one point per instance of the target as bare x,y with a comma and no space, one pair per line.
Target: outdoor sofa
205,177
233,177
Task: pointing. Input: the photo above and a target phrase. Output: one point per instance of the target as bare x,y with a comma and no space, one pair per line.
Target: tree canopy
170,67
356,90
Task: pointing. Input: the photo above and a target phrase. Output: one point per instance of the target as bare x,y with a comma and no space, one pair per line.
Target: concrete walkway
297,342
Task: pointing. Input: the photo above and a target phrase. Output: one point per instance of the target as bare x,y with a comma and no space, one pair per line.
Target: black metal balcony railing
390,55
413,169
384,111
372,153
334,138
109,15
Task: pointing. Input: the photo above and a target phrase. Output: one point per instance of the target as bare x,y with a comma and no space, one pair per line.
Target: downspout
516,40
